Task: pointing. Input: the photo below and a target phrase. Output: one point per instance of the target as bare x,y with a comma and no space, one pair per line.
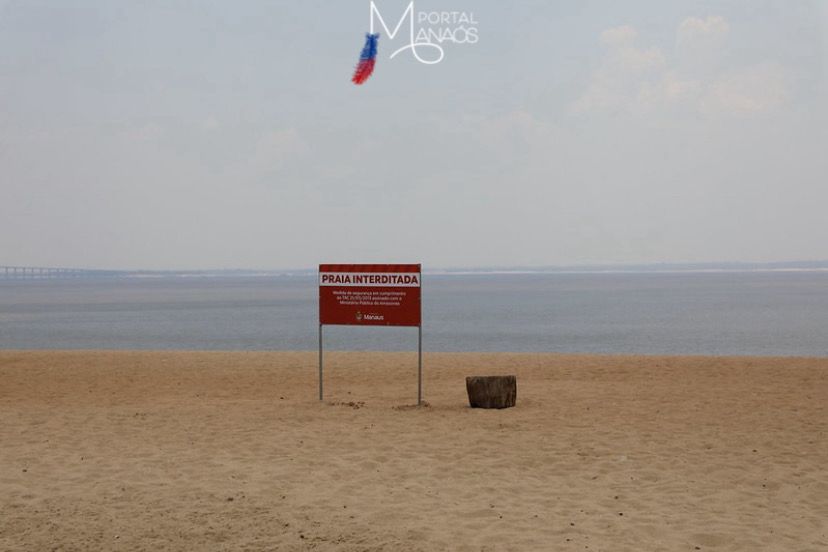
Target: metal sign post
419,365
371,295
320,362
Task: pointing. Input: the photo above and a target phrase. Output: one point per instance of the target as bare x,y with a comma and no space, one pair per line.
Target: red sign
369,295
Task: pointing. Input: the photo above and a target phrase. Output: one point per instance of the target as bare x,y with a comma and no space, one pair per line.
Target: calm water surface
740,313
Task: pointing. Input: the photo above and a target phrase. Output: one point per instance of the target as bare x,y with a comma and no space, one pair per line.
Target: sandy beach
233,451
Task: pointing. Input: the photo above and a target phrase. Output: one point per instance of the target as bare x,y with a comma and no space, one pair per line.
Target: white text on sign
369,279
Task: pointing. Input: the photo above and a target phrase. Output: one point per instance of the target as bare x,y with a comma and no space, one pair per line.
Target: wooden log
491,391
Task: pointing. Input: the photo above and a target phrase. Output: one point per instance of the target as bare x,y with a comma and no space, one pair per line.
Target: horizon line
658,266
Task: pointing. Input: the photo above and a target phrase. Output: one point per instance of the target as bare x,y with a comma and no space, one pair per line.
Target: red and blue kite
367,59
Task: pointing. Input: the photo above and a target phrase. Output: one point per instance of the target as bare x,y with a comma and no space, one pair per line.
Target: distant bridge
51,273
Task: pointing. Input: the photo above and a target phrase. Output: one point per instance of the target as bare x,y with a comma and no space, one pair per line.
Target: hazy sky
165,134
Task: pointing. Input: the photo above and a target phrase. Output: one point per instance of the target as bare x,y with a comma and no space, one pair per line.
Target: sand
232,451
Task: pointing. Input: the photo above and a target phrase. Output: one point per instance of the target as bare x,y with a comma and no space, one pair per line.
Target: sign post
320,361
371,295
